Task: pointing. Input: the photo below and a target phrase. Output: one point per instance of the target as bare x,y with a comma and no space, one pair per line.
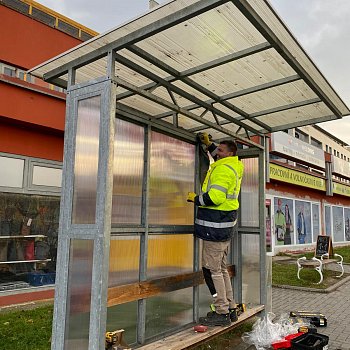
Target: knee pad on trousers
208,280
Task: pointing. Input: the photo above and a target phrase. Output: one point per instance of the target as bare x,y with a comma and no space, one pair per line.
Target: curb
314,290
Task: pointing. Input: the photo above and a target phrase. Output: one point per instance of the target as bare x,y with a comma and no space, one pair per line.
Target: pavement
334,305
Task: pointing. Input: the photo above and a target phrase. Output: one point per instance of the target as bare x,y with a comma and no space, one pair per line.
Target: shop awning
226,67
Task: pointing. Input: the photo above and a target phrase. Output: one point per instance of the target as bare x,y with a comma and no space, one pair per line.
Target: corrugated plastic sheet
176,52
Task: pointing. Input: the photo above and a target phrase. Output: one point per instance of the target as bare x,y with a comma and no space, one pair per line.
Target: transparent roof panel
228,64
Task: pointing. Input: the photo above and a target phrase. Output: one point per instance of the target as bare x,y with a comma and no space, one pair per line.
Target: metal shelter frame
230,68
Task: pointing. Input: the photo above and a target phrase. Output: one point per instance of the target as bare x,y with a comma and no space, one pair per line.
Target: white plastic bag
265,331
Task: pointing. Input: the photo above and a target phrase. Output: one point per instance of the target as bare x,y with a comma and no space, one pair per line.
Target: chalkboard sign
324,246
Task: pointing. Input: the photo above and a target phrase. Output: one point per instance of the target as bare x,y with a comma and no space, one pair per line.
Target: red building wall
25,42
31,117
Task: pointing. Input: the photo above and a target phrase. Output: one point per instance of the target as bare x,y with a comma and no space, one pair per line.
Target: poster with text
315,221
283,221
347,223
303,222
338,224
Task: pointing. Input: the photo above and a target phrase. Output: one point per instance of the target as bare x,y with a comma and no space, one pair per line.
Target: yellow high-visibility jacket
218,202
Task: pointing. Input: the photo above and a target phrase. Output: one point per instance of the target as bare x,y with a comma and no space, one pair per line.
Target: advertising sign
341,189
292,147
296,177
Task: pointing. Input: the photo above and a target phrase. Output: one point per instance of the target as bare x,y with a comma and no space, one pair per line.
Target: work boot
215,319
233,313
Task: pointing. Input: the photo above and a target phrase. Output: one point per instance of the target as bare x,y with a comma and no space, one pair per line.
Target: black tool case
310,341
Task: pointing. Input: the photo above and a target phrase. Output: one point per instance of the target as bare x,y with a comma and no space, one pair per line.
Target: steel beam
180,92
138,35
240,93
180,110
249,12
212,64
305,122
285,107
216,99
227,59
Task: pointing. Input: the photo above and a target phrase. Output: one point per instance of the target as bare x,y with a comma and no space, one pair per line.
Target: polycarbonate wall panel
168,311
250,193
169,255
123,317
124,259
250,269
205,299
127,172
171,178
79,294
86,161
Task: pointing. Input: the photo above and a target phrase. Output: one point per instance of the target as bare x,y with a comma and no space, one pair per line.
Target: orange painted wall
24,140
25,42
25,105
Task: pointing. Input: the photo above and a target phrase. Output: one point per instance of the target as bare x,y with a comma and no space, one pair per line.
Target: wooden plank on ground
189,337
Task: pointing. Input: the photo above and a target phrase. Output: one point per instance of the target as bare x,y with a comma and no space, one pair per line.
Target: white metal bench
318,264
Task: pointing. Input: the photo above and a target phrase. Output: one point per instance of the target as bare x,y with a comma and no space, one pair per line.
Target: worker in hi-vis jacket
214,224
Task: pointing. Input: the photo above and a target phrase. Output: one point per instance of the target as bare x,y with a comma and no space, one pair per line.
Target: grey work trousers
214,256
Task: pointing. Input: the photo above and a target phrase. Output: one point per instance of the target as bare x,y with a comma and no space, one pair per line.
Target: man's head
226,148
279,203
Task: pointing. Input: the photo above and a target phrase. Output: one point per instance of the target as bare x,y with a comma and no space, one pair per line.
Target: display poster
303,222
338,224
328,220
347,223
315,221
283,221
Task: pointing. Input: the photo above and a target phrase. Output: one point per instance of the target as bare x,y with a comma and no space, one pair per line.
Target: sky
322,27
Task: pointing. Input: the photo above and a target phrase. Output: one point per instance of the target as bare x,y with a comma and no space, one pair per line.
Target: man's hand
205,138
191,196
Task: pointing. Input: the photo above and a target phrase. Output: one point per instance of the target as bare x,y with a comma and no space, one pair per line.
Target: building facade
307,194
32,116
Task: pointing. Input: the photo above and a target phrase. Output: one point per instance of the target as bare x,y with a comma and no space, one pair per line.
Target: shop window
284,221
315,221
347,223
9,71
301,135
46,176
28,240
11,172
328,220
316,143
29,78
338,224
